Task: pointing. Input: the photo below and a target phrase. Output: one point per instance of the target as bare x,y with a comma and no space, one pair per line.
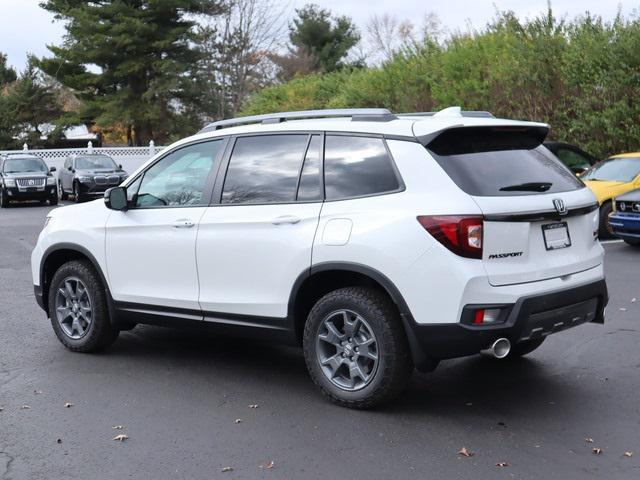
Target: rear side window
501,162
264,169
356,167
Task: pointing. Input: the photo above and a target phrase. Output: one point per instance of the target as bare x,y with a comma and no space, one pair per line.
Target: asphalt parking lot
183,399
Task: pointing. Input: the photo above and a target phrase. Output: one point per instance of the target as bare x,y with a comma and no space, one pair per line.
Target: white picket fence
129,157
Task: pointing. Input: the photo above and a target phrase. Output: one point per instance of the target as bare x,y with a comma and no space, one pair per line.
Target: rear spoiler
461,139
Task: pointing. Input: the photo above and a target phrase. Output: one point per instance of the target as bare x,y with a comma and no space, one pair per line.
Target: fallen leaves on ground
622,309
627,454
121,438
502,464
588,440
118,427
37,392
597,450
227,469
253,405
68,405
633,300
25,407
238,420
59,440
268,466
1,409
465,453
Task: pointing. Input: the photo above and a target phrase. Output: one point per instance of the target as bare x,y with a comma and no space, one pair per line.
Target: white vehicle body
243,265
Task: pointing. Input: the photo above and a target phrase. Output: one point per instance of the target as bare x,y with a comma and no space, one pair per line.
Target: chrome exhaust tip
498,349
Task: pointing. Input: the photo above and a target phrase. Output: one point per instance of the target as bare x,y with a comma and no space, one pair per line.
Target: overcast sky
26,28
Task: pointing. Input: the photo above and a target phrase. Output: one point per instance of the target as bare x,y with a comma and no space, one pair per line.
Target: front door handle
183,223
290,219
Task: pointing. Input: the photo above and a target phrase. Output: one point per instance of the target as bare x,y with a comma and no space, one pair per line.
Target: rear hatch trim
540,215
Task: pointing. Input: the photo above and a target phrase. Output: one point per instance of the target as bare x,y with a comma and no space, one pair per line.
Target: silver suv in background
85,176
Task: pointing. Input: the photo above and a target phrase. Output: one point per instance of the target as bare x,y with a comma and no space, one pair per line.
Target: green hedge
581,76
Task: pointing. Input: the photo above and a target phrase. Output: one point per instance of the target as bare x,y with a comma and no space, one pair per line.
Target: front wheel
77,196
78,308
53,200
61,193
355,348
4,199
604,230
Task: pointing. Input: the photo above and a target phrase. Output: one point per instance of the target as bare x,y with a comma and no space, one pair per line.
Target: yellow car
612,177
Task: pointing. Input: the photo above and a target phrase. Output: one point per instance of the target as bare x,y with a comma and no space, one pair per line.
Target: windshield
23,165
91,163
615,170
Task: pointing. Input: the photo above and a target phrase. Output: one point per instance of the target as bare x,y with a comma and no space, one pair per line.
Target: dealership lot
179,395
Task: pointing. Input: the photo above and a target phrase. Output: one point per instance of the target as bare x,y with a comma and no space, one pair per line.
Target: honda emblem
559,205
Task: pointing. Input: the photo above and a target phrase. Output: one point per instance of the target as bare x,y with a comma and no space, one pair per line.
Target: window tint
500,162
179,178
310,187
264,169
357,166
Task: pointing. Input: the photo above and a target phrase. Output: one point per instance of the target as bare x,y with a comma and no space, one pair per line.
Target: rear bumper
625,225
530,317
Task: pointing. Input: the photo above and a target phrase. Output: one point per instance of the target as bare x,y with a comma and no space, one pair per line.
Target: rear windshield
501,162
615,170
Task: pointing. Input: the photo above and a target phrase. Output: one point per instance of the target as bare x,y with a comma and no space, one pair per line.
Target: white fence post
152,148
25,147
90,148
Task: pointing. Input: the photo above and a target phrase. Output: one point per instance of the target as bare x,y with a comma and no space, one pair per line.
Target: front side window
264,169
356,167
615,170
178,179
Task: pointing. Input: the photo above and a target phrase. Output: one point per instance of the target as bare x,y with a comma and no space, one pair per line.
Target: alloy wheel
347,350
73,308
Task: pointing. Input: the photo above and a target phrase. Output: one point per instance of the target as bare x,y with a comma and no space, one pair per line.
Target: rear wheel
525,347
604,230
355,348
53,200
78,308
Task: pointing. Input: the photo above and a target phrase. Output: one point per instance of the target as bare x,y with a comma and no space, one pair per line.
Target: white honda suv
378,242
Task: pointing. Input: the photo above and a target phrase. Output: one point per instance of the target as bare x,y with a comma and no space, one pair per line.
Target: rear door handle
291,219
183,223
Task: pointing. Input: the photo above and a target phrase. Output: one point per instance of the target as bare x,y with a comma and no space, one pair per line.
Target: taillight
462,234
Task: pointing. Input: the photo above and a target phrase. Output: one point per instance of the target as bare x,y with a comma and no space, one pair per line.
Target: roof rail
356,114
450,112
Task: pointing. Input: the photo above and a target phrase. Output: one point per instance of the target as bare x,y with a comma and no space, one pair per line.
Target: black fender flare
84,252
420,358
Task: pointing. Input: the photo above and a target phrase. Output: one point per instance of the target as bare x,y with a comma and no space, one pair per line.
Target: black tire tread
102,333
397,372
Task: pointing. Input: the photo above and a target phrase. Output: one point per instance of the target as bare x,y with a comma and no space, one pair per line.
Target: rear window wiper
528,187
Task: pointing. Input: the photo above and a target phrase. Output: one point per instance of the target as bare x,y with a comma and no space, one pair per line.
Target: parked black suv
26,177
89,175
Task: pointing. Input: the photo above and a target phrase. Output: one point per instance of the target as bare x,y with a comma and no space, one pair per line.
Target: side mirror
115,198
120,166
52,169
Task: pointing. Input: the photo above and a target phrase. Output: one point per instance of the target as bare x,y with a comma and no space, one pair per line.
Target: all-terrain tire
394,362
100,332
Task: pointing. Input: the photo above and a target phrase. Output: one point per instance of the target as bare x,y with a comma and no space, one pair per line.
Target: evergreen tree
328,40
7,73
130,62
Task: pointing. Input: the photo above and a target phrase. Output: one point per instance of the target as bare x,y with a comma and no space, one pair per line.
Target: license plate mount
556,235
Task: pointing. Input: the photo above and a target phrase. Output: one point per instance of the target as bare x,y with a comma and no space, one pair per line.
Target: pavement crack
7,465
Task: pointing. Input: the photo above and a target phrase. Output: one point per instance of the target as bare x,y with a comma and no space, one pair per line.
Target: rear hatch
540,221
